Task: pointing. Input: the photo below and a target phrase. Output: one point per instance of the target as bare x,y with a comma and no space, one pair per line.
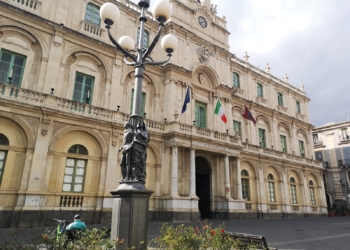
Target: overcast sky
307,39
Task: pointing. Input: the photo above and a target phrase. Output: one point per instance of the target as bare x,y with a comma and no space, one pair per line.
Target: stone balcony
206,138
91,30
32,6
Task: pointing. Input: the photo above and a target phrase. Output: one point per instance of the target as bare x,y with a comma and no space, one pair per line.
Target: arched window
92,14
235,80
75,170
3,153
293,191
245,185
4,140
145,42
312,192
271,188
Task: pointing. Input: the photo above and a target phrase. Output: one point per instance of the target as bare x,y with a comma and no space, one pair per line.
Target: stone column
239,181
227,178
192,173
306,200
174,171
285,193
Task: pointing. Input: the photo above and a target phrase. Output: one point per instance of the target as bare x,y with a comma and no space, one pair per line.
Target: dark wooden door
203,186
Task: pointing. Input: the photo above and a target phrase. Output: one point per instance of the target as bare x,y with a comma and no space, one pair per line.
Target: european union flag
187,99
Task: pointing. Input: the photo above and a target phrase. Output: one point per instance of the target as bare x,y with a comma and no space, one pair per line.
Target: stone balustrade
9,93
220,22
32,6
91,30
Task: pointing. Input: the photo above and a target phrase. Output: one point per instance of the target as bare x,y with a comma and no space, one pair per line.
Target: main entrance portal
203,186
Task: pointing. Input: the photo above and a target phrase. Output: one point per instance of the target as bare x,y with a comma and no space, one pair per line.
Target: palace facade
332,148
65,93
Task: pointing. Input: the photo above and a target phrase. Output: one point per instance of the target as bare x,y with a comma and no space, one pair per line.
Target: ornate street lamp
131,198
141,56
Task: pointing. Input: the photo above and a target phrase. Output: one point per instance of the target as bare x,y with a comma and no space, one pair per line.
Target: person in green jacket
77,224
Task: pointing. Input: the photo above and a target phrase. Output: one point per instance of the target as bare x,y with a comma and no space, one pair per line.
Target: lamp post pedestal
130,214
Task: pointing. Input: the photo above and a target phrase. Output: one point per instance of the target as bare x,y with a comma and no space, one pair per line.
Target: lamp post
131,198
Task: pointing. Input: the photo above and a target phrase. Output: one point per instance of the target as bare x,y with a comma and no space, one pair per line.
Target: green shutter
283,143
83,86
235,79
237,127
260,90
298,107
301,148
11,61
262,139
280,99
92,14
201,115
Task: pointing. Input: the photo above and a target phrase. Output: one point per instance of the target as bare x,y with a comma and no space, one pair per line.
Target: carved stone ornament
114,134
202,78
204,54
46,121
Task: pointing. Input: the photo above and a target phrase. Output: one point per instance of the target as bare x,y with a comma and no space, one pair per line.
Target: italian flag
219,110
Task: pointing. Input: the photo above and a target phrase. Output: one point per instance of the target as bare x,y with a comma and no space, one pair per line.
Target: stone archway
203,186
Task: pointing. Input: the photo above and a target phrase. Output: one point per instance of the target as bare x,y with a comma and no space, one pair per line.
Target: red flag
248,115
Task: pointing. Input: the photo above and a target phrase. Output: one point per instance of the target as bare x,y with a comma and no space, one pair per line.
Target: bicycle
61,227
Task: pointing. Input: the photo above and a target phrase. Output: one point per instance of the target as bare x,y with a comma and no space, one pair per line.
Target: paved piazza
302,233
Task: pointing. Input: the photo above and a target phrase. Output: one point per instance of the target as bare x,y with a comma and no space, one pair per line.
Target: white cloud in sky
307,39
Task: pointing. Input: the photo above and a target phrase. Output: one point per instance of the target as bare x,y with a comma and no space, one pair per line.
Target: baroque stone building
65,93
332,147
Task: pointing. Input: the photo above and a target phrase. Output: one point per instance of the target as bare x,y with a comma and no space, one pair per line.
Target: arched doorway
203,186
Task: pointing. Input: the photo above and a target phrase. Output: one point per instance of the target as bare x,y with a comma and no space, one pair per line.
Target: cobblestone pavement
302,233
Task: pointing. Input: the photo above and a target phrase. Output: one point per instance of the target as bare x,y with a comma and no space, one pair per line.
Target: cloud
308,40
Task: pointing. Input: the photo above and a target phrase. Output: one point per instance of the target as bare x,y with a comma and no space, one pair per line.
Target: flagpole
212,118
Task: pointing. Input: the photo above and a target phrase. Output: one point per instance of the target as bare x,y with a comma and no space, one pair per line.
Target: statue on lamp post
131,198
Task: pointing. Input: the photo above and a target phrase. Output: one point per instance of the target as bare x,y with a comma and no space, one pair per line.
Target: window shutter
83,85
197,115
202,117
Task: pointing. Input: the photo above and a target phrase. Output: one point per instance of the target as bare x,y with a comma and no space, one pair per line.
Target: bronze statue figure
126,149
139,156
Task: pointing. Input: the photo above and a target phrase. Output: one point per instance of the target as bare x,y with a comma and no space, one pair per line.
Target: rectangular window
237,128
11,65
315,137
283,143
74,175
2,163
92,14
260,89
83,87
312,196
145,42
142,104
235,80
302,148
201,115
262,138
344,134
280,99
298,107
271,191
245,189
294,194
